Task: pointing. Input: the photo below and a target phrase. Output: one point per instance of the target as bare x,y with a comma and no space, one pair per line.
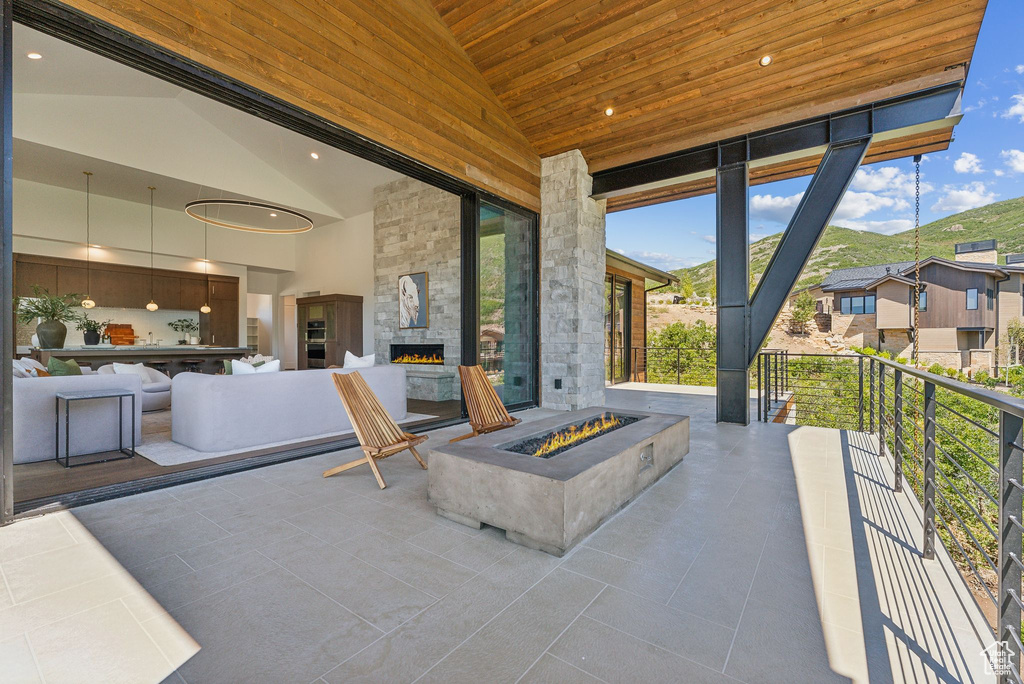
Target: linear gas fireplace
420,354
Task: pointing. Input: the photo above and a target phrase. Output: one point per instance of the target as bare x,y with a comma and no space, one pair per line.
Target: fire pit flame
418,358
574,434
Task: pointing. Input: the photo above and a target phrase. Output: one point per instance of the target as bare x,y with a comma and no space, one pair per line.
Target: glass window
869,304
858,305
844,305
990,299
972,299
922,302
507,294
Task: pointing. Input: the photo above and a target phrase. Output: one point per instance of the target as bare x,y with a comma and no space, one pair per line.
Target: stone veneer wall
572,238
417,227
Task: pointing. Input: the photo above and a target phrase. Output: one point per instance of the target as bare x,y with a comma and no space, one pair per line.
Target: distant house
966,305
625,312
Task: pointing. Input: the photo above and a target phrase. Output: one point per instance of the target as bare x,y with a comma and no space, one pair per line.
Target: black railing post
928,550
897,429
677,367
860,393
881,409
1011,499
759,387
871,396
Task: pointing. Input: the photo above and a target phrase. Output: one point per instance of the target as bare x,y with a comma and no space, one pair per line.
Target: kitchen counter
100,355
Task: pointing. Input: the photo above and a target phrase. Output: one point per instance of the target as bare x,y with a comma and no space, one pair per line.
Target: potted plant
54,311
91,330
184,326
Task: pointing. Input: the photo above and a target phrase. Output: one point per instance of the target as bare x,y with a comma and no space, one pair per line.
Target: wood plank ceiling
682,73
390,71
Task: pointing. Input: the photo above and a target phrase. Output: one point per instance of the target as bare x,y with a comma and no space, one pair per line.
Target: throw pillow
131,369
18,371
30,365
239,367
268,366
353,361
58,367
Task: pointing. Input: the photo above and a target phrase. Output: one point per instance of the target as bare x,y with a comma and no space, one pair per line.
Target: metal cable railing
674,365
959,447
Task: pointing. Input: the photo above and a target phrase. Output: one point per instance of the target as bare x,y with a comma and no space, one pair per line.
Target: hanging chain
917,252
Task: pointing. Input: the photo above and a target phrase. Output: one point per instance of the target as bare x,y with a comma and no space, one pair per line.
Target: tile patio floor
740,565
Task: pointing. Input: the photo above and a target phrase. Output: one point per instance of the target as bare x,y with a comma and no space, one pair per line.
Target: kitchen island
172,357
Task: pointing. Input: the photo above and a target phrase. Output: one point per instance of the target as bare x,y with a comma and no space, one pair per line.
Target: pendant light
205,308
152,306
88,302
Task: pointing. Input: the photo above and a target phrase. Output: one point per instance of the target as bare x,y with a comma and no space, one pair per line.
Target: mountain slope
846,248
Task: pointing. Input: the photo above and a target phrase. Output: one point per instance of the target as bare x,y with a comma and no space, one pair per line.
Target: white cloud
889,227
967,163
708,238
999,173
1014,160
887,180
754,237
666,262
858,204
964,197
1016,109
1019,68
773,207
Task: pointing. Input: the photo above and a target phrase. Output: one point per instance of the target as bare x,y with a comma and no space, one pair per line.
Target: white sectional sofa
93,423
215,413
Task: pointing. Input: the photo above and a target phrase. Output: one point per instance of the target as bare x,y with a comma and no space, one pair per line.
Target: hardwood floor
34,481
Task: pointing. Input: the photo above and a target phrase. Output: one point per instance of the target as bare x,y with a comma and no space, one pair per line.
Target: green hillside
845,248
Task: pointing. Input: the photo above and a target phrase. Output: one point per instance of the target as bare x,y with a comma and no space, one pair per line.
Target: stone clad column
572,270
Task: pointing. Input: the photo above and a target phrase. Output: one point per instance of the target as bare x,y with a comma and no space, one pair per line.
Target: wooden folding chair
486,412
378,433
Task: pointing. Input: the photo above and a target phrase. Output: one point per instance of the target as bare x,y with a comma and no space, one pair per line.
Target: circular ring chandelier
304,222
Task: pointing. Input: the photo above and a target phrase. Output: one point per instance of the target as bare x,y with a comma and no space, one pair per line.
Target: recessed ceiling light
609,111
314,155
765,61
273,215
34,55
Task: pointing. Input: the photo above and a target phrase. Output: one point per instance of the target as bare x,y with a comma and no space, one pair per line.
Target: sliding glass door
508,303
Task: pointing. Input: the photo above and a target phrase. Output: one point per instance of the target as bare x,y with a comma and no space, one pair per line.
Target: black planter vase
91,336
51,334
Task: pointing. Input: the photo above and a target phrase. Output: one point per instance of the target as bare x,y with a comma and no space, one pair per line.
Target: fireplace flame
418,358
574,434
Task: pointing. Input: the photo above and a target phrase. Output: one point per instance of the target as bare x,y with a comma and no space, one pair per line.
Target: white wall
336,259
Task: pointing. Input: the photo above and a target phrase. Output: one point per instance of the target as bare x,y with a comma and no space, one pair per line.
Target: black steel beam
826,189
6,269
915,109
732,277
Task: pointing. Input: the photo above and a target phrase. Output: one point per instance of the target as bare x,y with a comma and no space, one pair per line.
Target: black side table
69,397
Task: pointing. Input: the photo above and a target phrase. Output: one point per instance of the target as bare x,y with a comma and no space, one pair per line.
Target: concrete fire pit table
552,503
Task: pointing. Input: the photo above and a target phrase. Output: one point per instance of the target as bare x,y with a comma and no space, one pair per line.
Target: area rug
159,448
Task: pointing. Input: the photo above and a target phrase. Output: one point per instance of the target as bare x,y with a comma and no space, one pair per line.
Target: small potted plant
91,330
54,311
184,326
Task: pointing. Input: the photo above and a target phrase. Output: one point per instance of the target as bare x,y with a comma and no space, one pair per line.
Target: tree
686,286
803,310
1015,338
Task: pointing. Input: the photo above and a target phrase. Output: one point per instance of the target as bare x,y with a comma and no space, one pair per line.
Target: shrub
936,368
885,355
952,372
901,359
991,382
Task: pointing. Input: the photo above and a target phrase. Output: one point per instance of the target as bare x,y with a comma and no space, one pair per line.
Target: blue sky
984,164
